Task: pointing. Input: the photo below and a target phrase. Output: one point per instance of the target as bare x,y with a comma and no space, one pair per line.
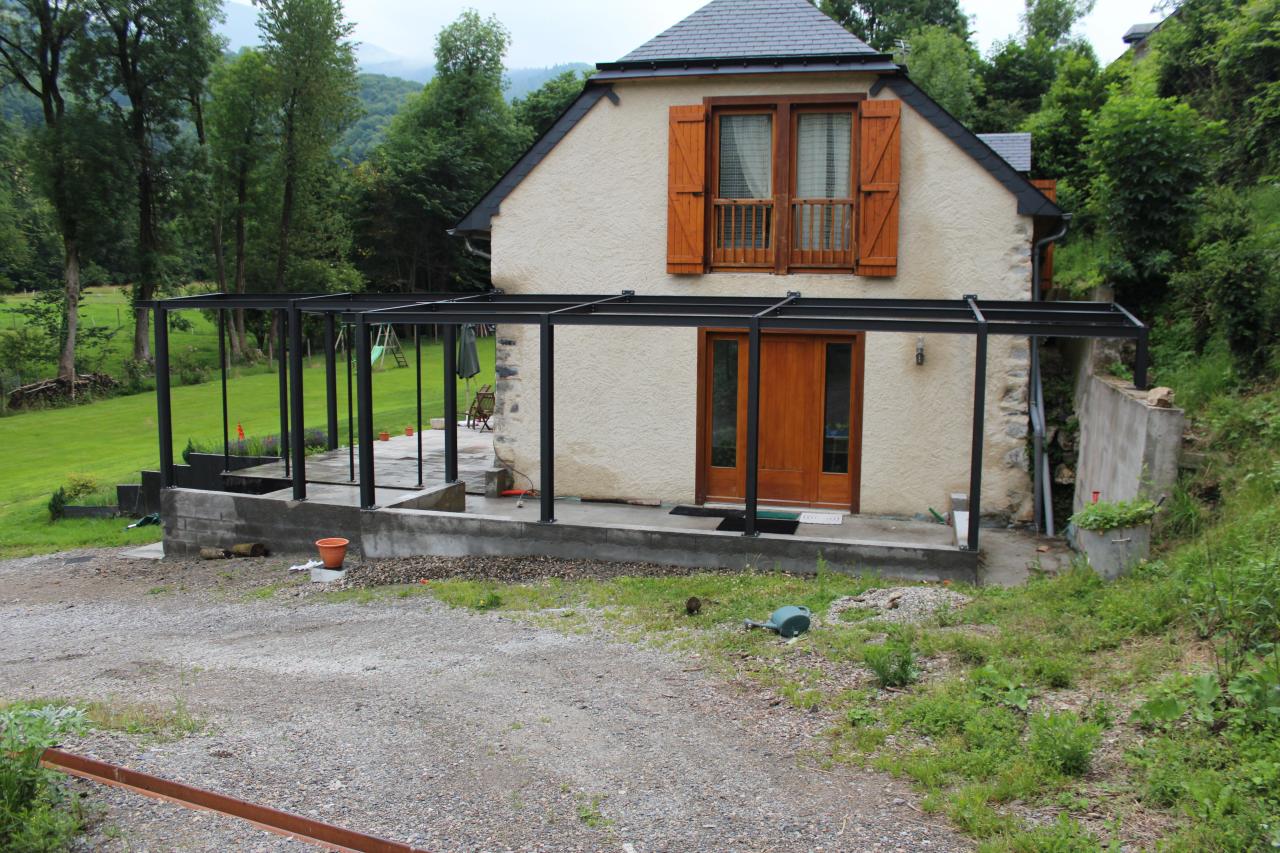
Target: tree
541,107
1014,79
1147,156
883,23
241,127
35,37
443,151
145,62
306,44
943,65
1053,20
1058,128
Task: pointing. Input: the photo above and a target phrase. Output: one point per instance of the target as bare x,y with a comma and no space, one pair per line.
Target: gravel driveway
448,729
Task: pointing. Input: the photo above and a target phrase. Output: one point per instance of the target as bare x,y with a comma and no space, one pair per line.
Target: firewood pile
50,391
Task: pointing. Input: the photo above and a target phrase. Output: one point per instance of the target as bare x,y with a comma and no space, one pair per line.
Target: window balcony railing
742,232
822,232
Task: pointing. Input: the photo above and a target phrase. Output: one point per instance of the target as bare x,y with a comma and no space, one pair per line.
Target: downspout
1042,484
473,250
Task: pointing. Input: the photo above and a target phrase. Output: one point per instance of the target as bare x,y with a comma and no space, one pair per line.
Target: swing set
385,340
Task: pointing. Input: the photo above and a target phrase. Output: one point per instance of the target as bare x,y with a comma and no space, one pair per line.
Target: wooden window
786,184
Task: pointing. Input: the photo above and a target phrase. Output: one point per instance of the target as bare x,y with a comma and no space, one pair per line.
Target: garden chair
481,409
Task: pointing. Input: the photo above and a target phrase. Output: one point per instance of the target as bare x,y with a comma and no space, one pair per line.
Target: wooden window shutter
1049,187
879,172
686,182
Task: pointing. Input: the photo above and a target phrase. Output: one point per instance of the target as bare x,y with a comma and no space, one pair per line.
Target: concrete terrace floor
1008,555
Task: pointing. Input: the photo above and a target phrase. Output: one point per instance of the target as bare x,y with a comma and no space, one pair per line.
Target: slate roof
729,29
1138,32
1015,148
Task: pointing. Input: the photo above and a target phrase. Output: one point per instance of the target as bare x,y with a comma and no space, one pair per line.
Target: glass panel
746,156
823,146
835,418
724,403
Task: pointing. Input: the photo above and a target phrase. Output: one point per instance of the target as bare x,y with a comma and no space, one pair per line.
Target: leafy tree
307,45
540,108
381,97
1147,156
240,133
1052,21
1058,128
443,151
1014,79
35,36
943,65
144,62
883,23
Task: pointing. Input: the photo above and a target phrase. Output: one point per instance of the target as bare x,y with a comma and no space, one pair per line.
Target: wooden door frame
703,426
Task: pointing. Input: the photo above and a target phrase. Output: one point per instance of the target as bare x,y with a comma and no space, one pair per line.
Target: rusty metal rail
264,817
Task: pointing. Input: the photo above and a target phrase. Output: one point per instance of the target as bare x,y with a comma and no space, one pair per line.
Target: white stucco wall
591,218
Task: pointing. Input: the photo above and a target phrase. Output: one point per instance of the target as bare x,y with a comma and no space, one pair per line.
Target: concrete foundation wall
591,218
1127,447
195,519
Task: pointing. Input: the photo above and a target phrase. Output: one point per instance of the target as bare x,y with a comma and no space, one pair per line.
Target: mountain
381,97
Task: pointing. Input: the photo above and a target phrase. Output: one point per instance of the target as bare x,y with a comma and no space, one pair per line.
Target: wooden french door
810,418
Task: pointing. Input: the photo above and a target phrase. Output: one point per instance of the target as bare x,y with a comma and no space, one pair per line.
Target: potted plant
1115,535
333,550
384,436
408,430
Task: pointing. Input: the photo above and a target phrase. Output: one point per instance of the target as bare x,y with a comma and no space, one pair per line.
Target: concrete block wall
1128,448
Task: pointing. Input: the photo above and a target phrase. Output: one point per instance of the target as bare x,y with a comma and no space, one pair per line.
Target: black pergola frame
967,316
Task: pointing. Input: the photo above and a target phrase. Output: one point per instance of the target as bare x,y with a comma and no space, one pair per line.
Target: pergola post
222,370
979,427
450,403
364,406
417,395
281,347
1140,362
297,423
351,417
331,381
546,418
164,411
753,426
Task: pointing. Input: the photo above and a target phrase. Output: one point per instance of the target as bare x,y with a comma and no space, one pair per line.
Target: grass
111,440
158,722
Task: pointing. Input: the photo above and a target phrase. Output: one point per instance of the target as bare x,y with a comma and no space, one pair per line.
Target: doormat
728,512
737,524
821,518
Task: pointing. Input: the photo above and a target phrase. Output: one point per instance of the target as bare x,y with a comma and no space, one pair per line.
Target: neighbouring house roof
737,29
1138,32
1015,148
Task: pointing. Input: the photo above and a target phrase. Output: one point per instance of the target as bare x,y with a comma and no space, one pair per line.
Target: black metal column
364,391
1140,361
417,361
351,417
451,403
281,335
753,426
297,424
164,411
546,417
979,430
331,381
222,369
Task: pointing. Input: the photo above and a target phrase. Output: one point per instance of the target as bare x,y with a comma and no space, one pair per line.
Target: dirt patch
905,604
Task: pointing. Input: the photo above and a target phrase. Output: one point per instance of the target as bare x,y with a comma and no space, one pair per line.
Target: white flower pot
1114,552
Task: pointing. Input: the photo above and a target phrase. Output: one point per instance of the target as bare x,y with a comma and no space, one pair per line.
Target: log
214,553
249,549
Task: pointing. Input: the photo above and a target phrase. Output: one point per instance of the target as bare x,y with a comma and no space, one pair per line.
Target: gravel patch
903,604
502,569
444,728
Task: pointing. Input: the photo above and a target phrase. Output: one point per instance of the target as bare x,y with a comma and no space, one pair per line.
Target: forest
138,151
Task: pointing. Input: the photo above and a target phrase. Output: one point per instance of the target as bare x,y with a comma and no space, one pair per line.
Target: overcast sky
548,32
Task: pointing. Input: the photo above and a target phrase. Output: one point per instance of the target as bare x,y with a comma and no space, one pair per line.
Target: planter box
1113,553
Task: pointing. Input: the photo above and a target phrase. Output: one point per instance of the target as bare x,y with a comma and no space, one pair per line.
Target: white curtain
823,146
746,156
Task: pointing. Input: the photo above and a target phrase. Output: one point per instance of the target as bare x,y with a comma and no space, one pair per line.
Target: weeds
1061,742
894,661
35,812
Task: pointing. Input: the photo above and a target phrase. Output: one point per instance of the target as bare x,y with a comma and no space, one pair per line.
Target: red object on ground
1096,495
333,551
239,431
515,493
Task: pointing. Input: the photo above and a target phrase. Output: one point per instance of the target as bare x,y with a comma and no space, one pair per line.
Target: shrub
1109,515
57,504
894,660
1062,742
80,485
35,814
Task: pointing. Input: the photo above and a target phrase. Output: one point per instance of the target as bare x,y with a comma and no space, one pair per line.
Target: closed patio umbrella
468,358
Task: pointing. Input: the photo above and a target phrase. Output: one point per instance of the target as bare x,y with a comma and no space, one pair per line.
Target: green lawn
111,440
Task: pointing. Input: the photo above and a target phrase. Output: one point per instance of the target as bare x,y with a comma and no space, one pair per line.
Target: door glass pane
724,403
835,418
823,150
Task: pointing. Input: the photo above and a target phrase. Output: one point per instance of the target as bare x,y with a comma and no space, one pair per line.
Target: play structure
385,341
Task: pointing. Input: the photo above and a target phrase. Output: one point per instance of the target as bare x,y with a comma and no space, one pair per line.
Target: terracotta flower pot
408,430
384,436
333,551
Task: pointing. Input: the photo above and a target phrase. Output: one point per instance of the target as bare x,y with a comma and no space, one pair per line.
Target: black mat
737,524
706,511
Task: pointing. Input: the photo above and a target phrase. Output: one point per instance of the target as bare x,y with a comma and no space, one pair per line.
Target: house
756,148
